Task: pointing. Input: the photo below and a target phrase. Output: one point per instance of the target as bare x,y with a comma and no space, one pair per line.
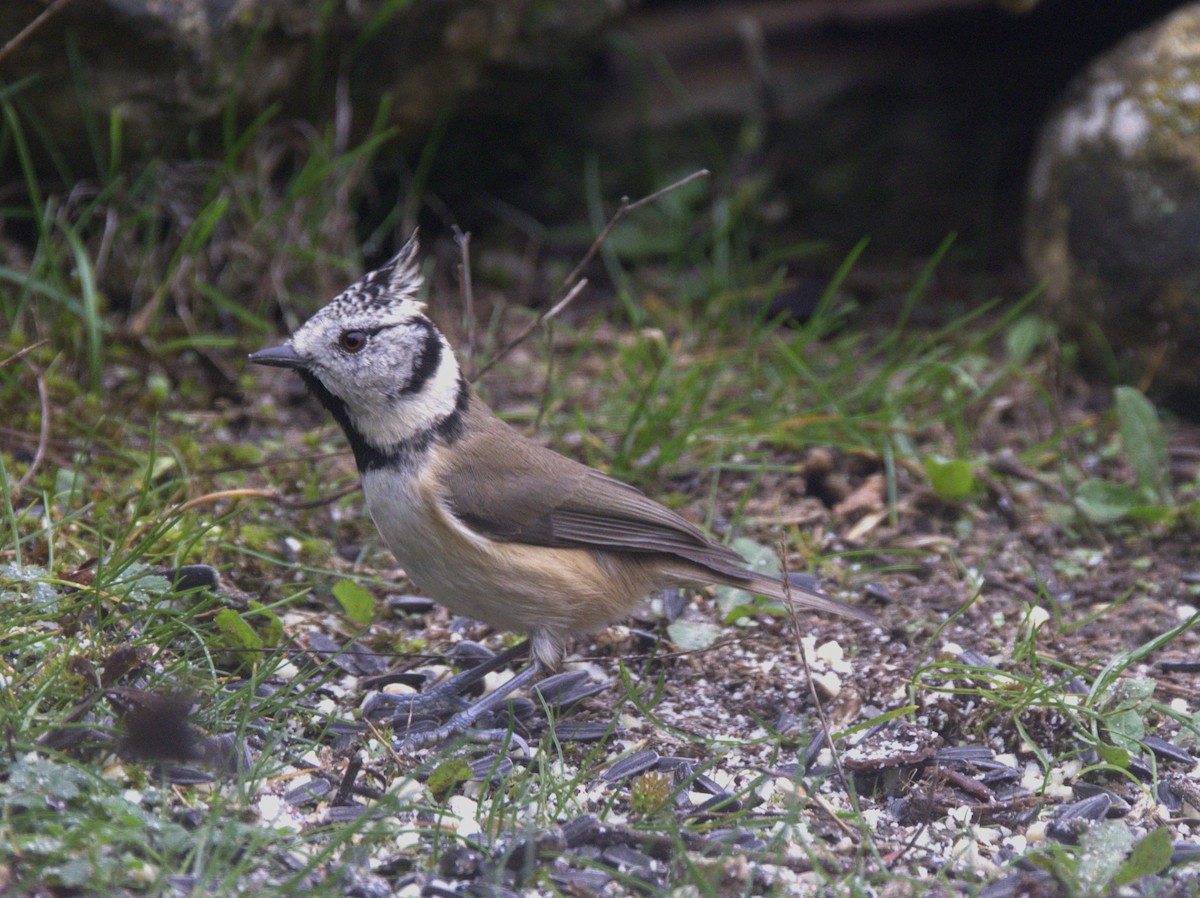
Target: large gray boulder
1112,224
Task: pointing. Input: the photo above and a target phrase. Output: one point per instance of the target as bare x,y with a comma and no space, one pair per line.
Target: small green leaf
691,635
139,583
1130,691
738,603
755,605
356,601
1023,338
1155,514
238,633
1103,502
759,557
1150,856
1101,850
1111,754
1145,440
1126,729
162,465
266,624
952,479
43,596
446,776
34,781
66,482
75,873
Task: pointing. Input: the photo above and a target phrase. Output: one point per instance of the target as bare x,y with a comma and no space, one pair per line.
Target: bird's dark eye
353,341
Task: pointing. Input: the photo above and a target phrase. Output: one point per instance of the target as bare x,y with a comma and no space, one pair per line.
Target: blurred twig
39,454
573,284
463,239
38,21
21,353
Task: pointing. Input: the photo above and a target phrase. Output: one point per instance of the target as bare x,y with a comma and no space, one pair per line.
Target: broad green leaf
760,558
32,588
1104,502
1121,703
1024,336
1154,513
1150,855
446,776
140,583
37,781
952,479
356,600
1111,754
1125,728
755,605
691,635
75,873
238,633
266,624
1102,850
1144,438
1130,691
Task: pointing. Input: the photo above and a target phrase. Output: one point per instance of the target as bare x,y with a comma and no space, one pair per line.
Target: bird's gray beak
278,357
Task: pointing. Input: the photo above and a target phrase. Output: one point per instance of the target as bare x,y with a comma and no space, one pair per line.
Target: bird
481,518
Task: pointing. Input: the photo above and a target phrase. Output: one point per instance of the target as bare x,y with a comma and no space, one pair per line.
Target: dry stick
569,285
39,20
463,239
528,329
324,500
43,434
209,498
837,758
253,493
544,405
21,353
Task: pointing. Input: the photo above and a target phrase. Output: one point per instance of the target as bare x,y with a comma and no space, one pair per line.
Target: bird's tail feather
797,590
802,595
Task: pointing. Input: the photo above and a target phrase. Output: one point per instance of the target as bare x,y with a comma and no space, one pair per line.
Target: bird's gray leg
441,700
465,719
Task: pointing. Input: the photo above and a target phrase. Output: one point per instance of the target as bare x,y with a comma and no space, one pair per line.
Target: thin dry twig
328,499
463,239
529,328
220,495
21,353
39,454
820,708
254,493
38,21
573,283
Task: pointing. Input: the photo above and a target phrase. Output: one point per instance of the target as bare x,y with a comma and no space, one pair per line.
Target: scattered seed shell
631,766
900,744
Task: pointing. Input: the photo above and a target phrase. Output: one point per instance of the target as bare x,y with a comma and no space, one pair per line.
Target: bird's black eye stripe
427,358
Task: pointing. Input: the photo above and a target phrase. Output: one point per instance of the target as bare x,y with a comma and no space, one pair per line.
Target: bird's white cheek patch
385,418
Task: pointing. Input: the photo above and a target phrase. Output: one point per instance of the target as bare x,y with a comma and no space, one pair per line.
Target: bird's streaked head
377,363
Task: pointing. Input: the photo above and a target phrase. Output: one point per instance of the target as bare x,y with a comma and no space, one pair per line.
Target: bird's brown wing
533,495
505,487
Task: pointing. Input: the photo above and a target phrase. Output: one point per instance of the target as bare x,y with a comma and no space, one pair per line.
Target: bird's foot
438,703
442,712
413,740
463,722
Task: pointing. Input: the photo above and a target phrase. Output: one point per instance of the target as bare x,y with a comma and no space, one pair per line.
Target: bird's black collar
368,456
